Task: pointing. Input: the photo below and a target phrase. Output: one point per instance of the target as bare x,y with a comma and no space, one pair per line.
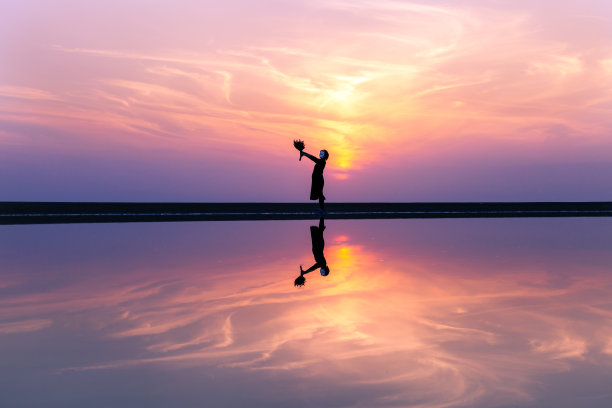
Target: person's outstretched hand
301,154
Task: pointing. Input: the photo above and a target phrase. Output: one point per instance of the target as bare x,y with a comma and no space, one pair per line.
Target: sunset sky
200,100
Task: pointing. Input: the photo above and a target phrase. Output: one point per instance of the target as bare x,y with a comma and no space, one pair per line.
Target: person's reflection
318,243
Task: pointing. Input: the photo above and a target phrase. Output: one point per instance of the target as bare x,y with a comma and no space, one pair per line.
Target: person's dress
318,245
316,188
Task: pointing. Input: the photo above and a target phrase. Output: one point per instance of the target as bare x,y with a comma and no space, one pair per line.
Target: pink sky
198,100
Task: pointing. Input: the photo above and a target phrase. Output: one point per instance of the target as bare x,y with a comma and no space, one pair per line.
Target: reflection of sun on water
340,239
344,252
393,323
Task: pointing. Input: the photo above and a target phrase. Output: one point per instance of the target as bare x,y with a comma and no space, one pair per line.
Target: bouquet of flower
300,281
299,144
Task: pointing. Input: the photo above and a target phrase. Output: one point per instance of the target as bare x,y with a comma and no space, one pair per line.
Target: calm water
423,313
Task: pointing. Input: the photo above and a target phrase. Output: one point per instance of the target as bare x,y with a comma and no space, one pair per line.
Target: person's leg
322,202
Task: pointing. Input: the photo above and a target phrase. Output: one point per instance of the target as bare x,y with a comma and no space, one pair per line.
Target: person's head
323,154
325,270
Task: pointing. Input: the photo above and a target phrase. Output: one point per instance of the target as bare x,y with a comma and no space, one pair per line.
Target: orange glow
391,89
498,318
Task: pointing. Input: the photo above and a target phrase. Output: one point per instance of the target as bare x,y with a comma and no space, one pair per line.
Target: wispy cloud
20,92
390,78
24,326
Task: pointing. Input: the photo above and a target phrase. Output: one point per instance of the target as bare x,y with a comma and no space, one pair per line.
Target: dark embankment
73,212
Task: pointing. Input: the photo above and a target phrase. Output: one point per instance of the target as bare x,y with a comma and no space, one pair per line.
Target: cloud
24,326
20,92
370,81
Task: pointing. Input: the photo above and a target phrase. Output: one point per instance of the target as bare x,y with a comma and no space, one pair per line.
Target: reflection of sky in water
428,313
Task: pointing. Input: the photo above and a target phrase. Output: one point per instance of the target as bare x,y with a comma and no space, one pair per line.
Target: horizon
200,102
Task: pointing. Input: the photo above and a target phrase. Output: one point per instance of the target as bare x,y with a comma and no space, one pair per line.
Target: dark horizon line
59,212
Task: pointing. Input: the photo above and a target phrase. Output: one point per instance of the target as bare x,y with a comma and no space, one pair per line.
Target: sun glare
341,94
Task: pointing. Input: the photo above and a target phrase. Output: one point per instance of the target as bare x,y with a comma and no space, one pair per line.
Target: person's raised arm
312,268
310,156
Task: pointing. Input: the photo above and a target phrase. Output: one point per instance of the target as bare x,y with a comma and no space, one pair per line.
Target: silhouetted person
318,244
316,188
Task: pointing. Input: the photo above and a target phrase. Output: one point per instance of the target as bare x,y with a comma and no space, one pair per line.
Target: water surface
414,313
